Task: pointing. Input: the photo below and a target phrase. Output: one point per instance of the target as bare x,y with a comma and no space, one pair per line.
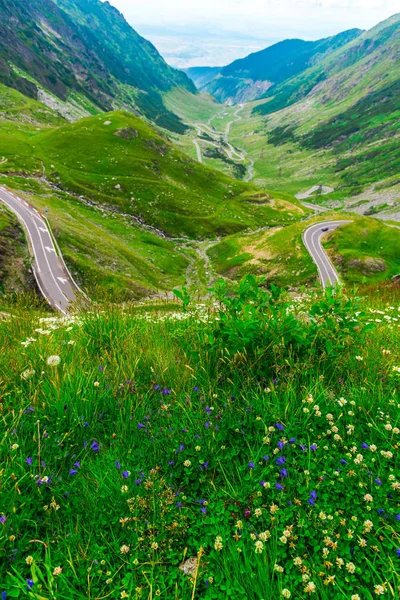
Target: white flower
259,546
28,373
187,463
29,560
286,593
53,361
359,358
124,549
57,571
96,384
14,447
368,498
218,545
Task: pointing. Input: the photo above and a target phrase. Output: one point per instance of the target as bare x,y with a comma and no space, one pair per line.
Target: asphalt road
312,241
55,284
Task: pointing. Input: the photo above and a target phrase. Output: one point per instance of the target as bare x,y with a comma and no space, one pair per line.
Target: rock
107,122
368,265
129,133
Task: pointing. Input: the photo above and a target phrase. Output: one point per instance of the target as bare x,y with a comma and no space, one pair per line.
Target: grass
14,257
365,251
260,438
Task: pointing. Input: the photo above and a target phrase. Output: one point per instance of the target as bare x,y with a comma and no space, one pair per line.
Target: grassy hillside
14,257
248,451
365,250
120,163
84,50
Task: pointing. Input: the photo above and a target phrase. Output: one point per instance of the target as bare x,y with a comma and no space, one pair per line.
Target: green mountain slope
84,50
249,78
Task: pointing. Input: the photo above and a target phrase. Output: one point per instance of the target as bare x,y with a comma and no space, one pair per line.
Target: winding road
312,241
53,278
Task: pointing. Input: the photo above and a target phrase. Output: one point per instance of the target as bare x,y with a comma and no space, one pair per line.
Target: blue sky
215,32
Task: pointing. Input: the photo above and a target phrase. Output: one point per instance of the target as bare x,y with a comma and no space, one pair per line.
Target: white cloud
192,23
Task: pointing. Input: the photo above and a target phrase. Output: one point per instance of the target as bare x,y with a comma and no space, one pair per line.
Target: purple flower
378,481
138,481
313,447
95,446
181,448
204,510
207,424
313,495
251,465
125,474
28,460
166,391
311,501
283,473
73,472
205,464
101,368
281,445
279,486
292,441
262,483
195,389
266,457
398,552
279,426
207,409
280,461
77,464
343,462
365,446
3,518
179,505
380,511
141,426
3,595
171,463
397,517
117,464
303,447
30,583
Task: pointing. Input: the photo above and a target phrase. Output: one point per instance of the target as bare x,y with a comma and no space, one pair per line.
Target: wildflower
28,373
125,474
124,549
218,543
273,509
30,583
124,489
379,590
239,524
251,465
278,568
286,593
15,447
351,567
359,358
310,588
96,384
154,545
28,460
258,512
53,361
355,597
73,472
368,498
279,426
264,535
57,571
187,463
29,560
298,561
124,594
259,546
368,526
95,446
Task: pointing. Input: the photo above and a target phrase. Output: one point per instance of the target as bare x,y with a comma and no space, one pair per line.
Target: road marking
50,249
62,279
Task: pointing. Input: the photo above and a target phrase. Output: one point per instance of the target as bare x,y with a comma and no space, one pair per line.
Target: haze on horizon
216,32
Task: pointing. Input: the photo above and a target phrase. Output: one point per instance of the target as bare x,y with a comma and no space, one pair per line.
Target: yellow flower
57,571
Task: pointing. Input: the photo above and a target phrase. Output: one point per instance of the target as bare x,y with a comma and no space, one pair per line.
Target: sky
216,32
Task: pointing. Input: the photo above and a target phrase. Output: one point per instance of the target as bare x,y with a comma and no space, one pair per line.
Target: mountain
83,55
251,77
202,75
351,114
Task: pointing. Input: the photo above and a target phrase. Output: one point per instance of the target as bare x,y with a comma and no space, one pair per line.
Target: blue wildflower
378,481
279,426
138,481
171,463
251,465
279,486
95,446
28,460
3,518
283,473
343,462
30,583
397,517
365,446
266,457
117,464
313,447
125,474
280,445
398,552
141,426
303,447
73,472
280,461
292,441
3,595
